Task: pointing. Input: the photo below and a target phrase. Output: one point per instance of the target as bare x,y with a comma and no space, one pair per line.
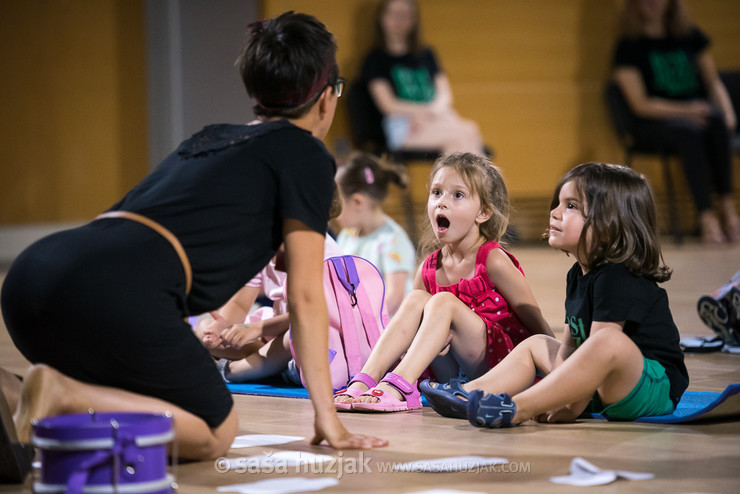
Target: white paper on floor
275,461
281,486
251,440
452,464
445,491
583,473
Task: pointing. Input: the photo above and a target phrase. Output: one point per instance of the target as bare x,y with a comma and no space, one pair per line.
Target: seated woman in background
409,88
370,233
663,66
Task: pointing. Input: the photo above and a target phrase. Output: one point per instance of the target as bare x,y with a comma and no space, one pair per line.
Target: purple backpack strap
346,316
369,320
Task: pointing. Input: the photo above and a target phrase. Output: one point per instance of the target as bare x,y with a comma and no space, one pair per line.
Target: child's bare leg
446,320
516,372
270,359
395,340
47,392
607,362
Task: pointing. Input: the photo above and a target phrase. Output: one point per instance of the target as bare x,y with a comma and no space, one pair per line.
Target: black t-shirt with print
611,293
411,75
669,66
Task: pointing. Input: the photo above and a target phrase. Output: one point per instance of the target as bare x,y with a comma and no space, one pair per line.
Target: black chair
731,80
366,133
623,122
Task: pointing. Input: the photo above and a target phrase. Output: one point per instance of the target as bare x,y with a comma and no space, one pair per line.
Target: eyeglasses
339,86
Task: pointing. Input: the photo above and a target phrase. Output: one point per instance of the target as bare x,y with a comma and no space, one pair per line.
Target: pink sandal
388,402
360,377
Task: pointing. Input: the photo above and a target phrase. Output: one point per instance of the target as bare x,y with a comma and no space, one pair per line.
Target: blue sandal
490,410
448,400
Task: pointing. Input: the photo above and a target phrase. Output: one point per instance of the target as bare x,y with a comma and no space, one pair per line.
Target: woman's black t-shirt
669,66
224,193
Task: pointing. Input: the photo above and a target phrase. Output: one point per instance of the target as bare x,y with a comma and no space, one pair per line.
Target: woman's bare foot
42,396
11,387
711,231
732,225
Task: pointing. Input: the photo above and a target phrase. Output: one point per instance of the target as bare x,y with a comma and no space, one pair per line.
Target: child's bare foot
359,384
42,396
346,398
393,394
386,388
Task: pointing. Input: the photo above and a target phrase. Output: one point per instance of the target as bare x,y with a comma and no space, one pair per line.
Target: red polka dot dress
504,330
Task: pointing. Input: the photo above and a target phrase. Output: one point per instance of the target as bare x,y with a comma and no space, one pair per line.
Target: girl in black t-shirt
620,348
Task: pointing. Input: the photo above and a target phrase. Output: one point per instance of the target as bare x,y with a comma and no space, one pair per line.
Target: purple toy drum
104,452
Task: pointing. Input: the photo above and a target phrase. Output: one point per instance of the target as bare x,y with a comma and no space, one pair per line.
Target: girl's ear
484,215
357,200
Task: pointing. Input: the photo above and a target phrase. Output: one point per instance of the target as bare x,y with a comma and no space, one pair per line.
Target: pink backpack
355,295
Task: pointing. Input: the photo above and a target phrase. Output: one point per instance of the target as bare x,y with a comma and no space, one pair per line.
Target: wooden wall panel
73,132
531,74
73,99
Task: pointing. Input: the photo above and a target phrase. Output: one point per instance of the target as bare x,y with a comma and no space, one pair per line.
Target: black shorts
104,304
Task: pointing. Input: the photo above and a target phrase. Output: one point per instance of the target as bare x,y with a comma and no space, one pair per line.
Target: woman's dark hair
485,180
287,63
367,174
676,20
620,221
414,40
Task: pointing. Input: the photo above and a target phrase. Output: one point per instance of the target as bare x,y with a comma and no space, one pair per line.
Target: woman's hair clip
369,176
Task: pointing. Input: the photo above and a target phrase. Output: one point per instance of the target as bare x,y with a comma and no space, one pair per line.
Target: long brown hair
676,19
413,41
485,180
620,221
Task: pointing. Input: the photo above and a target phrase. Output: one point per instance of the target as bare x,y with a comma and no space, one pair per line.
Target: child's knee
443,298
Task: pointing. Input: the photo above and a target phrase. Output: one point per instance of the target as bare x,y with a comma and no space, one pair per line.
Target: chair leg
408,209
670,191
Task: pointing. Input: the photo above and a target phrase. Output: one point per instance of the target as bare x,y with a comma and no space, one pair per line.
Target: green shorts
651,396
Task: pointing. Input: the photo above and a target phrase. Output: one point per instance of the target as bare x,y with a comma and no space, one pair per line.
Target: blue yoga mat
694,406
276,388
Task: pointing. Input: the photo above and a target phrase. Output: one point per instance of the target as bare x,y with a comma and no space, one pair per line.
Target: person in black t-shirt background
410,89
663,67
620,348
100,310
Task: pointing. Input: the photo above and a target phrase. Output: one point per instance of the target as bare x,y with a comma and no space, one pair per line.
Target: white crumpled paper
281,486
252,440
583,473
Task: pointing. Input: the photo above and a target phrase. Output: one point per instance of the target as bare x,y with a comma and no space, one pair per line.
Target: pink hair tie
369,177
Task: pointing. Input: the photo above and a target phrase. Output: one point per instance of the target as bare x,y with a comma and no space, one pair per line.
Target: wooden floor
684,458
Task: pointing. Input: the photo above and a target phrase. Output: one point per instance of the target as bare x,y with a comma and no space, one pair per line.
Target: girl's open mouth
442,223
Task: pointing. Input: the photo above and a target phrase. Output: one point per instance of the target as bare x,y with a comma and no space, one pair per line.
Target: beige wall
531,73
73,106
